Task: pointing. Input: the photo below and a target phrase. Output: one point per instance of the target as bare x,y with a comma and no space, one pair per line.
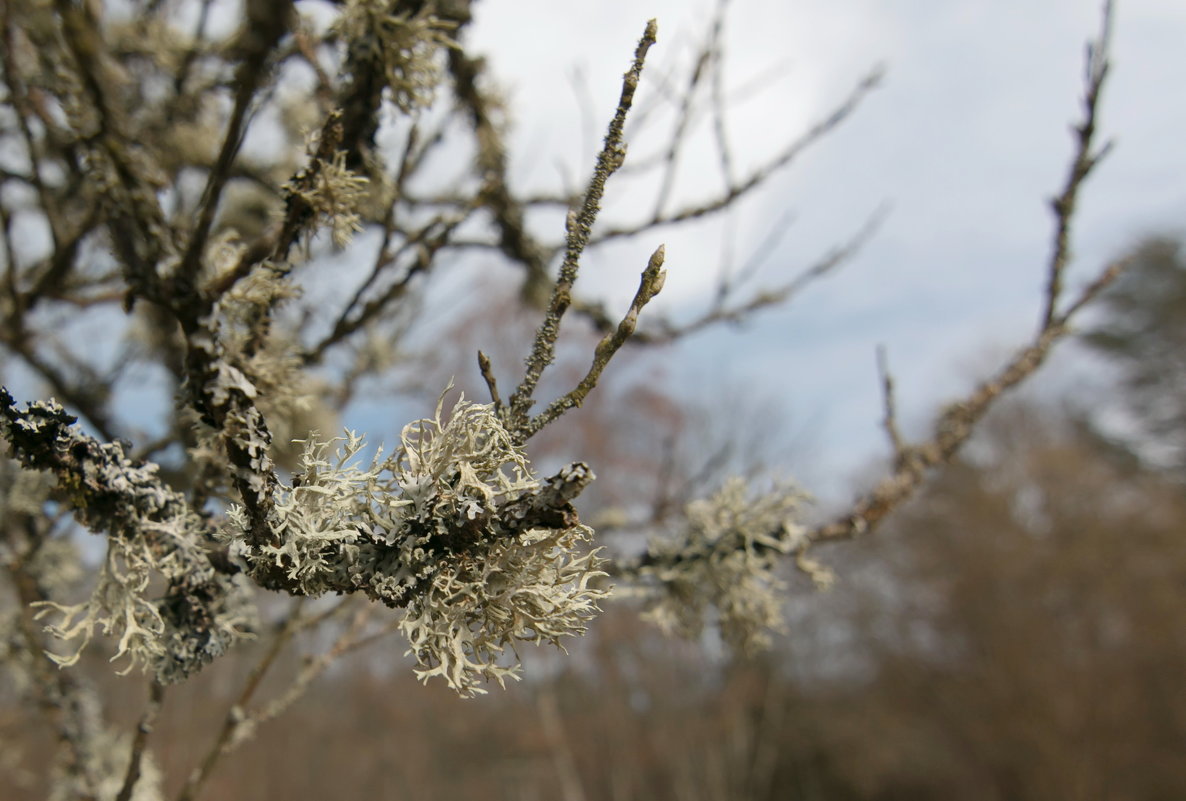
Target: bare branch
424,245
649,286
140,740
665,331
678,136
267,21
580,226
720,133
225,739
759,176
891,415
953,427
1082,164
491,382
514,240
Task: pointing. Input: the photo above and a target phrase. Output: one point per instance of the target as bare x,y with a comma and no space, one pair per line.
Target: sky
966,140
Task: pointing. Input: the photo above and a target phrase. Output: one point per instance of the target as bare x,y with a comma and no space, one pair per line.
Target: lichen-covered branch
954,426
124,141
453,528
150,530
225,399
723,565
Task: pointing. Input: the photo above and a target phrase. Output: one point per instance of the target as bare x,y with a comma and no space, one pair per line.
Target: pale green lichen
153,538
333,191
155,633
725,561
406,47
268,356
431,530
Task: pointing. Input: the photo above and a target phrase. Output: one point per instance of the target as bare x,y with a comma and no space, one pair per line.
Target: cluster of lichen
428,530
151,534
332,191
405,47
269,356
724,561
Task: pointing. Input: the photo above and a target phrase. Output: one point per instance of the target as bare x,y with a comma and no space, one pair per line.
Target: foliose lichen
450,529
152,535
724,563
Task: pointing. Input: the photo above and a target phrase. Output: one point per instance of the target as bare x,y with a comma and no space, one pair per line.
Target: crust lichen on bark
151,531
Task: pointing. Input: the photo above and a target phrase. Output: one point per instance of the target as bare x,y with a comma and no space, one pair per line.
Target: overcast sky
967,139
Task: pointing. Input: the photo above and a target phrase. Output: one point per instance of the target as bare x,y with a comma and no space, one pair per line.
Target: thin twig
491,381
133,214
266,22
191,53
890,422
957,423
18,97
580,226
759,176
514,240
234,718
315,666
649,286
679,134
297,213
1084,161
425,245
720,132
663,331
140,740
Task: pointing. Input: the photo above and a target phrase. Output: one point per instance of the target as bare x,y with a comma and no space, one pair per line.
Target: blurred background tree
1143,334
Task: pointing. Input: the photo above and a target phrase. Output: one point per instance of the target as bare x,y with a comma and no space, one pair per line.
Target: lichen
152,536
444,529
405,47
332,191
724,562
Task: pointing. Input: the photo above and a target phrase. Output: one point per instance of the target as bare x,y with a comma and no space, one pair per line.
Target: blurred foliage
1143,331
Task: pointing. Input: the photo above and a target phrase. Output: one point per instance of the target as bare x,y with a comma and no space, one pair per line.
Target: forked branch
579,230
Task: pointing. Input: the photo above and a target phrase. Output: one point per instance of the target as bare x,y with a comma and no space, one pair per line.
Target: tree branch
579,229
